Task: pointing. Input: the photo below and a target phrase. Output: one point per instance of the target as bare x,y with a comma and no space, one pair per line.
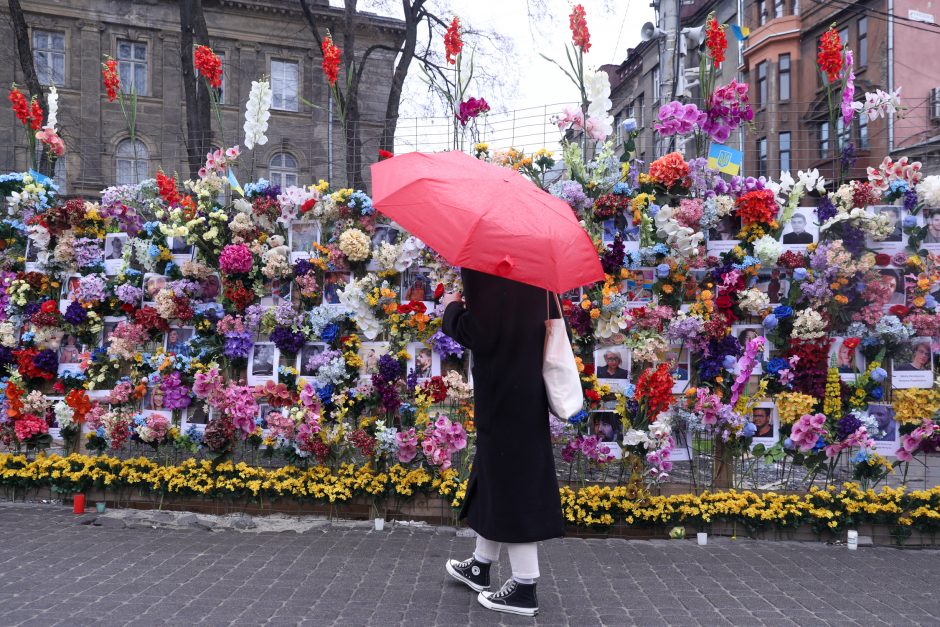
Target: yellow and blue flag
725,159
234,182
740,32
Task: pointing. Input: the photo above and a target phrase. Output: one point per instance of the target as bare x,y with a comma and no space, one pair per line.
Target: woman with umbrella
512,495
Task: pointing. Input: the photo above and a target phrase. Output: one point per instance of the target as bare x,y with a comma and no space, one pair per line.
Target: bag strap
548,305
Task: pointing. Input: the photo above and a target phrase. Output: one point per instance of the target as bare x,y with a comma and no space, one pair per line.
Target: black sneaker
513,597
471,572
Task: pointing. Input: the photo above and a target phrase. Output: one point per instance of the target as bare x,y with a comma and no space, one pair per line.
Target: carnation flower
355,244
235,259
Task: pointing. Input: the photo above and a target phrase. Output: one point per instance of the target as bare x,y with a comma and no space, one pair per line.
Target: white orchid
257,114
812,180
52,105
879,104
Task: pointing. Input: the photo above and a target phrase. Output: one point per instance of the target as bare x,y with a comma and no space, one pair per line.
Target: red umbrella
486,218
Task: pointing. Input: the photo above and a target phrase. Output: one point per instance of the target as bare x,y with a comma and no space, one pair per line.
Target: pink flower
806,431
676,118
235,259
407,445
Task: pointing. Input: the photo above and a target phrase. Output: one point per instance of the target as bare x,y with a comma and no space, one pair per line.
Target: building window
796,7
778,8
783,75
130,166
844,133
657,85
761,12
762,156
283,170
762,84
284,84
863,132
132,66
844,35
861,49
49,56
785,152
639,112
824,140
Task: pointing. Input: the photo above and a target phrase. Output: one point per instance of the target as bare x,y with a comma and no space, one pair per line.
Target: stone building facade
70,40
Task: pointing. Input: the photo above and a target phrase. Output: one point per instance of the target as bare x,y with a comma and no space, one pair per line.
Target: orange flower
580,35
80,403
166,186
209,65
669,169
716,41
829,58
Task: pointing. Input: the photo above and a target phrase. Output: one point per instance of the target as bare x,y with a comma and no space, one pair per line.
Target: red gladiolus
36,115
829,58
166,186
580,36
331,59
112,82
716,41
80,403
453,44
209,65
20,105
655,387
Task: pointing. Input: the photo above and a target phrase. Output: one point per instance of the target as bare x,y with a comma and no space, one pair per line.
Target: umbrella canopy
486,218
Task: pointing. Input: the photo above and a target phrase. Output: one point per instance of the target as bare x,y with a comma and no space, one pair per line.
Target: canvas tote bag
559,371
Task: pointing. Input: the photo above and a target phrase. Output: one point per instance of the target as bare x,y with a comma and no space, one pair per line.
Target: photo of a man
921,358
179,247
725,230
423,361
197,414
933,226
416,287
384,233
153,283
177,341
895,283
894,222
114,247
607,426
333,283
763,420
884,416
798,233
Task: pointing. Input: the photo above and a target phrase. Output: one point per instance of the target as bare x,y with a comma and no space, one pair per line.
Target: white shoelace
506,590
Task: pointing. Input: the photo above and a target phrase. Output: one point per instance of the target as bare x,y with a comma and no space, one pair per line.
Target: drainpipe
890,71
329,141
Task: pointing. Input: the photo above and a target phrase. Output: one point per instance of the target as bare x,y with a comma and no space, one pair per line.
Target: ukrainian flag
725,159
234,182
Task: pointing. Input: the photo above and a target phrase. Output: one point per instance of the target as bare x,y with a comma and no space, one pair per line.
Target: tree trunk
351,127
24,51
412,18
193,31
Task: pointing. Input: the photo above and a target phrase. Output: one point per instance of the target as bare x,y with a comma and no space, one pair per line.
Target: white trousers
523,556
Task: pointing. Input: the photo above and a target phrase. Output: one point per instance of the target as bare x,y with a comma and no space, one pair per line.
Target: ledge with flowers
288,339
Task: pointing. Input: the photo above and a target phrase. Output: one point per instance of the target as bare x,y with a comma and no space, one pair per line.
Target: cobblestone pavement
55,568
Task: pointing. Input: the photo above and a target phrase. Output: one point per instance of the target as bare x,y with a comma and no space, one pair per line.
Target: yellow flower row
590,506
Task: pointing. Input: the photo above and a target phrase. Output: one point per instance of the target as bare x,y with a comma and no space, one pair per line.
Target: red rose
899,310
308,205
588,369
723,302
851,342
50,306
882,259
438,291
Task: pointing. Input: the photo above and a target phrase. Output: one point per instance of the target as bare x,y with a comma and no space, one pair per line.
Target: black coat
512,494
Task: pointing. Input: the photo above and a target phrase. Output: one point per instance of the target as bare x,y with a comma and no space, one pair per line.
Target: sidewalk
56,570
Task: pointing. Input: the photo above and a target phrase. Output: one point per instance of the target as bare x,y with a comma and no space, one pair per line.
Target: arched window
283,170
130,166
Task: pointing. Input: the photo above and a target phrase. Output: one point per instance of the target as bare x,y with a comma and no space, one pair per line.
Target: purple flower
88,252
175,394
471,108
286,340
826,209
676,118
389,368
75,314
129,294
853,239
613,258
238,345
47,360
847,426
446,346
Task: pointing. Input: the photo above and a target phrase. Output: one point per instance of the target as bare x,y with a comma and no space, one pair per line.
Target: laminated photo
917,370
723,236
262,363
612,366
114,244
764,416
424,362
801,231
897,239
847,358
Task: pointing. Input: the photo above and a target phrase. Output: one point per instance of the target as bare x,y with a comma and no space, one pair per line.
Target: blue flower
860,286
930,301
788,444
799,274
861,456
820,444
729,362
578,418
325,393
879,374
777,364
770,322
662,270
629,125
877,393
153,251
653,209
100,432
783,312
749,430
660,249
329,333
909,221
622,189
630,391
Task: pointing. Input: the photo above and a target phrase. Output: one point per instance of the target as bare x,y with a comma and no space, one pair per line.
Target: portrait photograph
261,362
801,231
114,244
747,332
69,288
333,284
915,371
384,233
210,287
848,359
416,286
775,284
897,239
369,353
306,356
109,324
764,417
886,437
424,362
303,236
724,235
153,283
894,279
678,358
276,292
32,252
612,365
178,341
607,426
639,287
71,354
196,414
931,241
622,225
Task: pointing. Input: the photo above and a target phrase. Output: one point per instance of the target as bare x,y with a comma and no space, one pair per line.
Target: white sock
523,580
482,560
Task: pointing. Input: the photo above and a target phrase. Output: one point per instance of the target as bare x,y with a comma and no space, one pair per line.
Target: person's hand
451,297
